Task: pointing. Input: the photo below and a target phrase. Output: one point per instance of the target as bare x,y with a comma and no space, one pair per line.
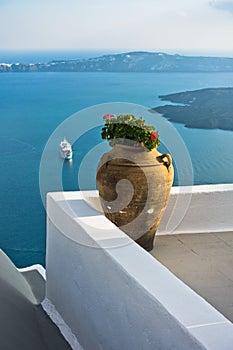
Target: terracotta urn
134,186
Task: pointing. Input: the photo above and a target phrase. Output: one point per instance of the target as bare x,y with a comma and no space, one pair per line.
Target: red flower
154,135
107,116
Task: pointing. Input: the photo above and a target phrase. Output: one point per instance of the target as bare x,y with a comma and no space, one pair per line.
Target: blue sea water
32,105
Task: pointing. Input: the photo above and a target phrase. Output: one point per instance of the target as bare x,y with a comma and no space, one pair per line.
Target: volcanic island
210,108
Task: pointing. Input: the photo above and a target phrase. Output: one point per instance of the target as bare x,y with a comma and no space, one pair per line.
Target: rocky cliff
129,62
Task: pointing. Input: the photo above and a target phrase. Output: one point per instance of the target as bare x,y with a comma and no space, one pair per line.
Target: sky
173,26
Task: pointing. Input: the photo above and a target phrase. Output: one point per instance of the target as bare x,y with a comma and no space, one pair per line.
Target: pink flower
107,116
154,135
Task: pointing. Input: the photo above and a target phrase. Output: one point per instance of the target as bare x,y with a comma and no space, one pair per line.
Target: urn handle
166,159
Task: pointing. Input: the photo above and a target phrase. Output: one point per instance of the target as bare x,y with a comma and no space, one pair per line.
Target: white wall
114,295
198,209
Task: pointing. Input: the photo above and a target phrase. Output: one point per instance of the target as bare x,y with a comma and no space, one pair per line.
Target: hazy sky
182,26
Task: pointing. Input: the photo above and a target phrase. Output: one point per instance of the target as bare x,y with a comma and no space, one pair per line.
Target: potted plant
134,180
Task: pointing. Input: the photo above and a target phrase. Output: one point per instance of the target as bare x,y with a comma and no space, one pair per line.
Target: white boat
66,149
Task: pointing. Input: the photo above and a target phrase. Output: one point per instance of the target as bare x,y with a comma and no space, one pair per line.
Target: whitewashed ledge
198,209
106,292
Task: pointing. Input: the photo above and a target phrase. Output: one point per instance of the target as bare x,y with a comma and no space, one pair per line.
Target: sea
34,105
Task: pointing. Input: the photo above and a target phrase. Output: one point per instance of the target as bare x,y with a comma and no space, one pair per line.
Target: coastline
203,109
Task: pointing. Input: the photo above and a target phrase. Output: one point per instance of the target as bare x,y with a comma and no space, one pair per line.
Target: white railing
105,292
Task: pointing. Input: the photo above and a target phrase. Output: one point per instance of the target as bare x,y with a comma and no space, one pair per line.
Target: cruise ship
66,149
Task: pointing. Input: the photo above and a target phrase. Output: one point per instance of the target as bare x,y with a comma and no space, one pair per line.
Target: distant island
128,62
205,108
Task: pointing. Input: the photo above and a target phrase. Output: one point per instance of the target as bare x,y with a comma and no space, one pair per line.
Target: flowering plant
124,127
